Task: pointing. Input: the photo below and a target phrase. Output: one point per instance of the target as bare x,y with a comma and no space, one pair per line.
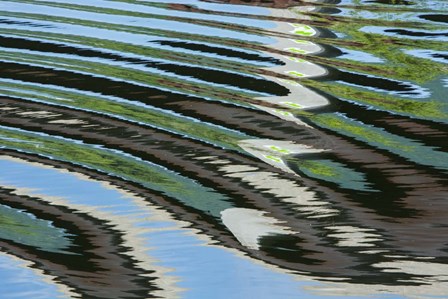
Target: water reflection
196,269
21,280
218,147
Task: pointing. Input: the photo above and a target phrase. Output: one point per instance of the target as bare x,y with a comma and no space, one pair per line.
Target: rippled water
223,149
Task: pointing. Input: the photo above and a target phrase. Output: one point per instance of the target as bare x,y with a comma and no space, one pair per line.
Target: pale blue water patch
20,281
359,56
139,22
205,271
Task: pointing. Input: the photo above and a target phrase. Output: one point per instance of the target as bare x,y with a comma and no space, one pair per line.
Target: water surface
198,149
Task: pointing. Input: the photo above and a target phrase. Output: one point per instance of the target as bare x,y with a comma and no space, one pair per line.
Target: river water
223,149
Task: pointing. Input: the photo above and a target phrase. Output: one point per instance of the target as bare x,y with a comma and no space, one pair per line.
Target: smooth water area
223,149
